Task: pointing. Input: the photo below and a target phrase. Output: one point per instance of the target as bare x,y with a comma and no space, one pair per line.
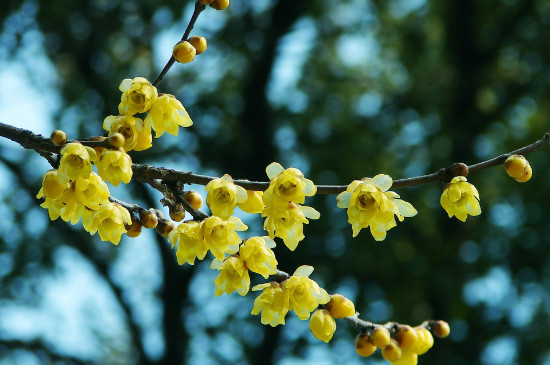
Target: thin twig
199,7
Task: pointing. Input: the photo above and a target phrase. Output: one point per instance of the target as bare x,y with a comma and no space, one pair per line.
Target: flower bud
322,325
184,52
58,137
392,352
177,213
440,328
340,306
164,227
380,337
516,165
425,341
134,229
526,176
117,140
363,346
406,336
148,219
199,43
220,4
193,198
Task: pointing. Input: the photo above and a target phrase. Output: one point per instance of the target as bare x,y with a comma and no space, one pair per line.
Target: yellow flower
76,161
425,341
370,204
52,188
253,203
273,303
322,325
138,96
257,254
223,196
115,166
340,307
460,198
407,358
109,221
233,276
166,115
287,223
137,136
187,236
88,219
286,186
220,236
91,192
305,295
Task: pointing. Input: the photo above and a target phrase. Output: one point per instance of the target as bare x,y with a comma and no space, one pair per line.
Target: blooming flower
91,192
52,188
223,196
273,303
109,221
460,198
166,115
253,203
305,295
76,161
138,96
220,236
115,166
257,254
287,223
370,204
187,236
233,276
286,186
322,325
137,136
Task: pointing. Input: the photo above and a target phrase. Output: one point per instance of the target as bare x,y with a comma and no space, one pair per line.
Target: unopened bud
193,198
406,336
340,307
164,227
380,337
58,137
184,52
516,166
134,229
220,4
148,219
199,43
392,352
440,328
117,140
363,346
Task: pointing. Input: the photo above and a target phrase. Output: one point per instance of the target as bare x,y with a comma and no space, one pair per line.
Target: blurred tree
340,90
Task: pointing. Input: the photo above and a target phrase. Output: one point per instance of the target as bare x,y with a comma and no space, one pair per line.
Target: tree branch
148,173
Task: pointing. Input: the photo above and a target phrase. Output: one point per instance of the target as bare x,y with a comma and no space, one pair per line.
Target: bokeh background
339,89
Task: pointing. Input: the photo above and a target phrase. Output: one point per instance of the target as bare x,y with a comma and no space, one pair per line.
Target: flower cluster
370,204
284,214
460,198
195,239
165,114
83,196
298,293
255,255
405,346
